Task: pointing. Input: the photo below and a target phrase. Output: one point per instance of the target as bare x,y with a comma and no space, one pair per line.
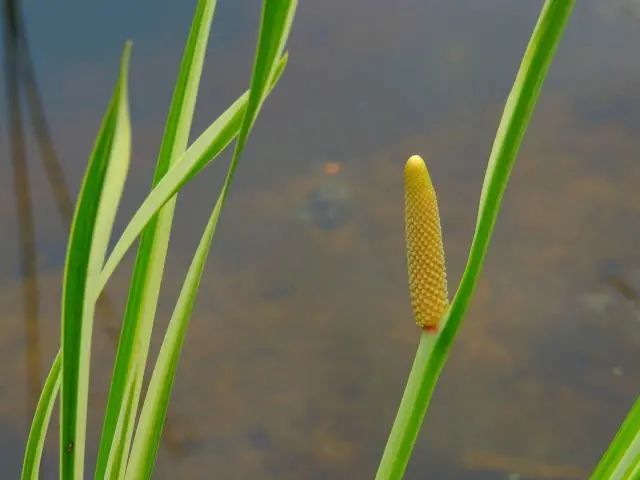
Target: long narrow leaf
90,232
40,423
203,151
433,349
116,463
154,408
622,458
633,472
275,26
140,311
276,23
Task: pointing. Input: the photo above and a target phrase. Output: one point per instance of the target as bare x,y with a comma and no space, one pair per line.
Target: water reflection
21,83
16,62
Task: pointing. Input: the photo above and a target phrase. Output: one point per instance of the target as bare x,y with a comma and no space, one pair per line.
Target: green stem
434,349
409,418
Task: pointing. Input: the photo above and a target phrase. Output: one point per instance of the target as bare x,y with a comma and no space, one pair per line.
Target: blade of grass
90,232
275,26
203,151
40,423
140,311
116,463
274,31
622,458
633,472
154,408
433,349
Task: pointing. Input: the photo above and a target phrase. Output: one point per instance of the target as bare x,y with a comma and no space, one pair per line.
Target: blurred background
298,352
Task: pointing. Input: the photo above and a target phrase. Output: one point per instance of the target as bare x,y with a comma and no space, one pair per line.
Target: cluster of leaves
131,431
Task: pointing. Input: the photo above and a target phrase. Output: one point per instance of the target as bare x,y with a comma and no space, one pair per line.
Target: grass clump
128,448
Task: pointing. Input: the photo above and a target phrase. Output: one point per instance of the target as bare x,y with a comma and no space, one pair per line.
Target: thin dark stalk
24,207
50,160
27,82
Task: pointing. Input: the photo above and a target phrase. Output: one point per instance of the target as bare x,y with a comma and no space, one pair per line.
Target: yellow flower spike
425,251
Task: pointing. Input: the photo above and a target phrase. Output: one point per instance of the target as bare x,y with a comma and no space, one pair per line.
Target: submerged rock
326,206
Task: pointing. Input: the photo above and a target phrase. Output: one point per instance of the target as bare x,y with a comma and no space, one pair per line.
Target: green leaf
40,423
275,27
633,472
433,349
622,458
90,233
203,151
116,463
140,311
154,408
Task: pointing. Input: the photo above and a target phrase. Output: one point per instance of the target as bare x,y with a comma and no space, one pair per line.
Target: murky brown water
298,352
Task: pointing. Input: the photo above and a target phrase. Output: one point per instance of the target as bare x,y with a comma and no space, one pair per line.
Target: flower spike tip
425,251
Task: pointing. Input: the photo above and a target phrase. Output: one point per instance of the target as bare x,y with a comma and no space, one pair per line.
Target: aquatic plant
622,458
426,266
127,449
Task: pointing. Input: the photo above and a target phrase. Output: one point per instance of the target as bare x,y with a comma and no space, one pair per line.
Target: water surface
297,354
